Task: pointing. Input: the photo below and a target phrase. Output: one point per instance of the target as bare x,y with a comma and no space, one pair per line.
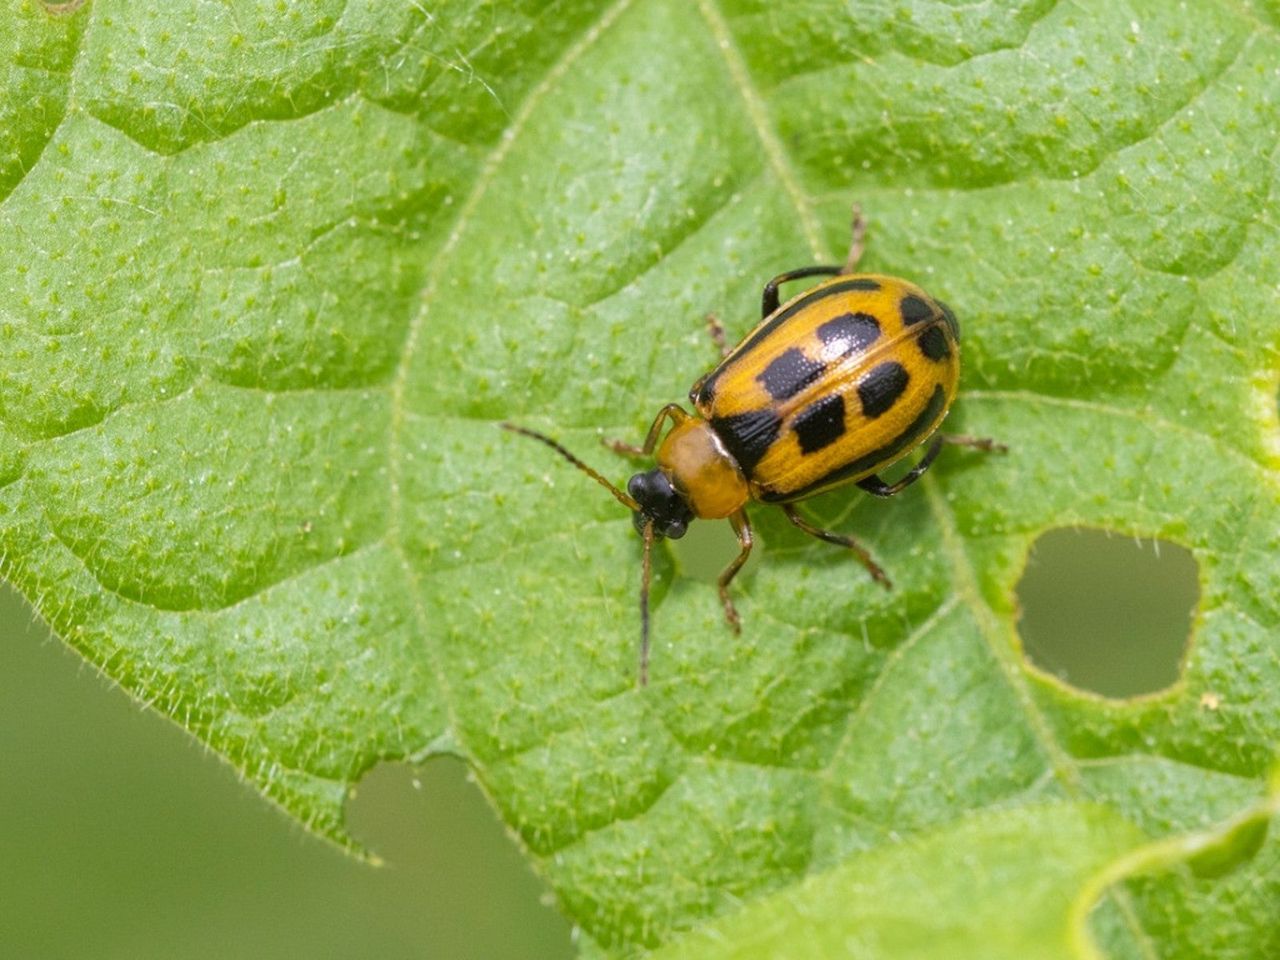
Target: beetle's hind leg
840,540
877,487
977,443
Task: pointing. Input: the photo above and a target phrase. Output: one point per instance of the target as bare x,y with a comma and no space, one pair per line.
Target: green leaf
273,274
1044,865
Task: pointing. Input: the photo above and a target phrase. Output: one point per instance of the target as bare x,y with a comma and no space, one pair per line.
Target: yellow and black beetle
831,387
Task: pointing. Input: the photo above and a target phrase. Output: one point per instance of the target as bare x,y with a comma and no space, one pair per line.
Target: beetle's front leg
742,527
673,411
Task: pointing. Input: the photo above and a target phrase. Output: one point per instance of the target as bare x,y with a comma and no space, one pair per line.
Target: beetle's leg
978,443
874,485
716,329
857,244
769,299
622,447
742,527
840,540
672,410
877,487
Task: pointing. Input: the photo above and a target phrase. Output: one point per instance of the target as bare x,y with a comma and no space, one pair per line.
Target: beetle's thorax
702,471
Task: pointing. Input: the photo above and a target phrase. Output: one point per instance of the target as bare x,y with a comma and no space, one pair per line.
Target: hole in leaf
434,830
1105,613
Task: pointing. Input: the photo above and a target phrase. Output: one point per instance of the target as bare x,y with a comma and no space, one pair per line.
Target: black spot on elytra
849,333
915,432
789,373
862,283
820,424
915,310
881,388
748,436
933,343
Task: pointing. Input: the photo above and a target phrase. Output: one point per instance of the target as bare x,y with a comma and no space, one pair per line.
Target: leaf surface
273,275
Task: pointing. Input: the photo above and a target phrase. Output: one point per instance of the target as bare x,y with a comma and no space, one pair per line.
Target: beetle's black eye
638,520
675,529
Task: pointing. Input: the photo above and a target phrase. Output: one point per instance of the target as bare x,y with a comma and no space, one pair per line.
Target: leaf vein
758,114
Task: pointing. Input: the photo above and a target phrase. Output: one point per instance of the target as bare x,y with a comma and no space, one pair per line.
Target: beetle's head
657,510
659,504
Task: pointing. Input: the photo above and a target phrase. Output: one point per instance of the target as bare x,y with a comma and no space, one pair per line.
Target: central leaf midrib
758,115
964,583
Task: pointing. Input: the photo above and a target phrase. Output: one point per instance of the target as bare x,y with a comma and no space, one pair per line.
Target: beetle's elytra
830,388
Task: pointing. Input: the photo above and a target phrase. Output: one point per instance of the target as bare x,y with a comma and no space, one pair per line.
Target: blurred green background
120,837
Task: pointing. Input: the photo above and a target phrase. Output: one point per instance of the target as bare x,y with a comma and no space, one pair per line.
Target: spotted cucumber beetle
836,384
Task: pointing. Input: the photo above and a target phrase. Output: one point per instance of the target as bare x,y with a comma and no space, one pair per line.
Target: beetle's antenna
647,568
618,495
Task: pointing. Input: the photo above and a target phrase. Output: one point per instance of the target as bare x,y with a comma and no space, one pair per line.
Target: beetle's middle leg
769,299
742,527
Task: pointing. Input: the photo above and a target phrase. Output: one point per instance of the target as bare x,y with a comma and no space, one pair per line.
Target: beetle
830,388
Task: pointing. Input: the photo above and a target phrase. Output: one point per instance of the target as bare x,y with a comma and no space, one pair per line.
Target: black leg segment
769,300
877,487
